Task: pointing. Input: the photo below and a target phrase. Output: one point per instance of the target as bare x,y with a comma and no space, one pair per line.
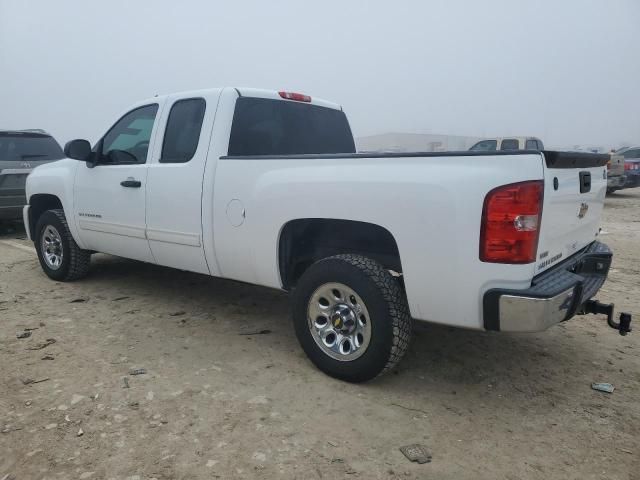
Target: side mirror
78,150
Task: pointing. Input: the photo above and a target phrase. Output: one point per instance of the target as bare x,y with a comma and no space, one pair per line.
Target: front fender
57,179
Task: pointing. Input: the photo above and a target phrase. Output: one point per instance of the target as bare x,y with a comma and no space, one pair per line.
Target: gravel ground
228,393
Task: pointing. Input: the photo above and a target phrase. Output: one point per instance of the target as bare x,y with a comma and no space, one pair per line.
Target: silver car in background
20,152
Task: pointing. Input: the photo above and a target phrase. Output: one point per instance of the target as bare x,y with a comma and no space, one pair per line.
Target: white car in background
508,143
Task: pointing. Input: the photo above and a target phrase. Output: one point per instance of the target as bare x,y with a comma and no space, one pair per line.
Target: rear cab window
27,146
263,126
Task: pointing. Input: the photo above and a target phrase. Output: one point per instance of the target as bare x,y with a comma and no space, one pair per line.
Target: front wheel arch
40,203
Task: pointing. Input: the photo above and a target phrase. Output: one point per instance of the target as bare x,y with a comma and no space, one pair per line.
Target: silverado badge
584,208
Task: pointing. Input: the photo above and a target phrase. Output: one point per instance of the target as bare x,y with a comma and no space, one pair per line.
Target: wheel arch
40,203
304,241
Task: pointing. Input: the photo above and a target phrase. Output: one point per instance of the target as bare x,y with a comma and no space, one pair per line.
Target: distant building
414,142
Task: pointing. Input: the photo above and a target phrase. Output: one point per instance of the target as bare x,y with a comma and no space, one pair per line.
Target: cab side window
182,135
127,142
510,144
531,145
485,146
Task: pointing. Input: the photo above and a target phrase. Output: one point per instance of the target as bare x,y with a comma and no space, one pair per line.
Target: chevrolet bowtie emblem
584,208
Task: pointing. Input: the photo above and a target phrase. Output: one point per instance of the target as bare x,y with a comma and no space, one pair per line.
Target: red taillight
298,97
511,223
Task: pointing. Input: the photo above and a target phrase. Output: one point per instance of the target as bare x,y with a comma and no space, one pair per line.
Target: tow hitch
623,325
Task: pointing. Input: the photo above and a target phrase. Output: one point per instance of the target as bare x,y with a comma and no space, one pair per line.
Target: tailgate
13,177
574,192
615,166
12,181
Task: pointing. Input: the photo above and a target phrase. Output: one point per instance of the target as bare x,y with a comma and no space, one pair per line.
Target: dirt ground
228,393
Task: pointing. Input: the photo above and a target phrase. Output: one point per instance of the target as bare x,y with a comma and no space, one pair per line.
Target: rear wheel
60,256
351,317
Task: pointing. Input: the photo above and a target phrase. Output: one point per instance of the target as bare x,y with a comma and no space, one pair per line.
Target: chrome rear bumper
554,296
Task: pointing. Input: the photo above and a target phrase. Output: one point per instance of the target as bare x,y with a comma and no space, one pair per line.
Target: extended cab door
109,199
175,182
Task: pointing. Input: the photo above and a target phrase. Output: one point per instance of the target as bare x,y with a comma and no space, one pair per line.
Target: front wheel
60,256
351,317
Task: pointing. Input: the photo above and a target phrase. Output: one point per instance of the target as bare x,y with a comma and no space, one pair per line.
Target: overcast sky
567,71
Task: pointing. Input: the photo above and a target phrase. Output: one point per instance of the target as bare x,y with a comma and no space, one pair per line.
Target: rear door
174,190
575,188
20,153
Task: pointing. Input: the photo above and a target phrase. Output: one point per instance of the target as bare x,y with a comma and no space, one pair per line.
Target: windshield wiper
34,155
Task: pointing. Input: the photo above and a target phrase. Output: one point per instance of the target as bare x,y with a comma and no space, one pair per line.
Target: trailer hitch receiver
623,325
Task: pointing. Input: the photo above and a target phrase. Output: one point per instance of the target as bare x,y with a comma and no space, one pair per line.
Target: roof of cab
29,131
274,95
247,92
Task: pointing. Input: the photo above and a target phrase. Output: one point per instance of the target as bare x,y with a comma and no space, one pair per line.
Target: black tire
75,261
390,322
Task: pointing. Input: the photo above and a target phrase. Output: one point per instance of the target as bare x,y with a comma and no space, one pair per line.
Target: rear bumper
11,200
617,181
632,181
554,296
11,213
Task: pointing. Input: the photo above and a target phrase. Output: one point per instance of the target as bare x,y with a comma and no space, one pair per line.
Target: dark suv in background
20,152
631,165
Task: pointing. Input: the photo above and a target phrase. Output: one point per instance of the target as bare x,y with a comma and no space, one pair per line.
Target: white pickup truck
265,187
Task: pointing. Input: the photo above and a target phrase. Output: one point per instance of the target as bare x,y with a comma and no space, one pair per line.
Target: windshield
263,126
17,146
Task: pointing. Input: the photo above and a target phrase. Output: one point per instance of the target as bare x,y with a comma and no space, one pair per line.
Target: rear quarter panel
431,205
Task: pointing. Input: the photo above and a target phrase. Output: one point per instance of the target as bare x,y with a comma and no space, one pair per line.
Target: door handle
131,183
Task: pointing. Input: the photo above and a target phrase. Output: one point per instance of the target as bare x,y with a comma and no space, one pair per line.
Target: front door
110,197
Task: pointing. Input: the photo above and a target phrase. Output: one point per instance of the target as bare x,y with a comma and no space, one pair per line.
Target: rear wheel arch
336,296
304,241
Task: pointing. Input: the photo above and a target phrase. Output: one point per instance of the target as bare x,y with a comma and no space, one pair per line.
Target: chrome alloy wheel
51,245
339,322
